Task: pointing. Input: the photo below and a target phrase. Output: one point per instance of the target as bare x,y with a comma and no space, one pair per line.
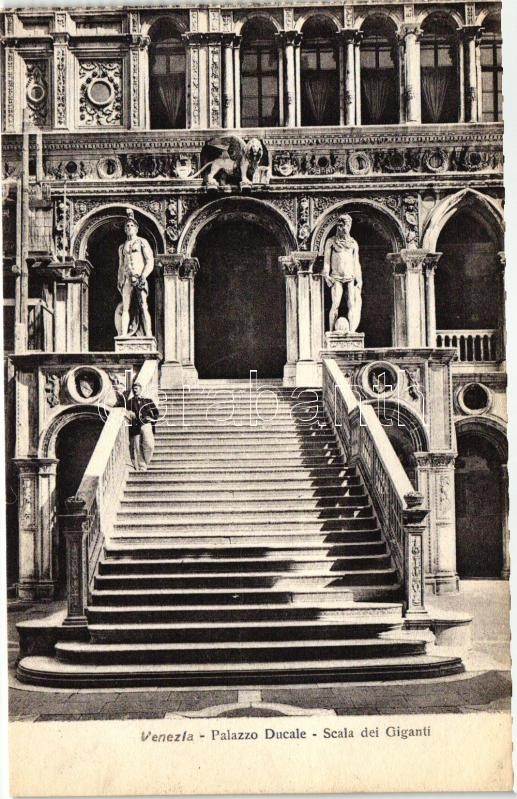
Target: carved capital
435,460
431,261
299,263
409,29
407,261
189,268
346,35
471,33
170,264
289,38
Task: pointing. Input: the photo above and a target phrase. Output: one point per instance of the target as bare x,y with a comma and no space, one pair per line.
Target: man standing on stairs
143,414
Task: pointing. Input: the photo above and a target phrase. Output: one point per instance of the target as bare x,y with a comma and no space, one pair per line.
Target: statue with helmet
136,262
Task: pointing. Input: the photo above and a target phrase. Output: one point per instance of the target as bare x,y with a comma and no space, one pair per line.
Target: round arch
149,28
488,428
487,13
254,15
383,219
48,437
450,17
390,19
320,13
257,211
467,198
109,213
403,416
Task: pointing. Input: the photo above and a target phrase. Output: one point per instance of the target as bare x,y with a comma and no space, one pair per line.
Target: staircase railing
397,505
92,511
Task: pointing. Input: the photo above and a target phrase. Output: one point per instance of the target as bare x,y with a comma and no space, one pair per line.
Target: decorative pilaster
196,109
138,80
237,79
414,584
178,312
501,355
75,530
409,41
12,91
68,283
429,266
357,64
471,35
435,474
61,74
409,323
304,318
38,535
214,80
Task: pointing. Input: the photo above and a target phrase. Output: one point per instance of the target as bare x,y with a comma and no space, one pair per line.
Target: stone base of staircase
245,555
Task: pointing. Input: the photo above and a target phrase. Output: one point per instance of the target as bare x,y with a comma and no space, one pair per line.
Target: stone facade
80,149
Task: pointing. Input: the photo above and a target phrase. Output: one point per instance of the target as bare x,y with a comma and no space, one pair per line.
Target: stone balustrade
472,346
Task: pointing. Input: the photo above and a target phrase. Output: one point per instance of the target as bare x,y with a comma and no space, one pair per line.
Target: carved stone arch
253,15
322,13
48,437
392,18
486,13
492,430
466,198
99,216
454,18
398,412
173,20
258,211
383,217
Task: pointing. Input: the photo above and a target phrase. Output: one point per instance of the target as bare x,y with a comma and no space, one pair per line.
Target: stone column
38,535
429,266
357,66
505,572
409,323
410,51
471,38
501,338
435,473
347,74
237,79
304,319
298,80
229,85
289,40
171,371
139,116
187,272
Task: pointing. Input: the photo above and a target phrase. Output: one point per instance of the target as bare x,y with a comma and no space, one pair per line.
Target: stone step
235,652
211,493
265,477
272,538
40,670
260,440
167,503
218,596
229,524
195,553
324,611
237,450
220,566
208,632
376,574
238,513
244,459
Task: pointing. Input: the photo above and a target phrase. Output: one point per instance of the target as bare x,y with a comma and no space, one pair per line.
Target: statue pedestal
135,344
344,341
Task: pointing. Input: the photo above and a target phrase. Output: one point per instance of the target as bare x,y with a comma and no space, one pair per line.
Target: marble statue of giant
342,273
136,262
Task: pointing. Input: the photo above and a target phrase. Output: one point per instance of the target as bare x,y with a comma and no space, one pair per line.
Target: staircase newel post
75,529
413,517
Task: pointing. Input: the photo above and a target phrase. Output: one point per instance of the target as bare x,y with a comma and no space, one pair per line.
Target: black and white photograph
256,457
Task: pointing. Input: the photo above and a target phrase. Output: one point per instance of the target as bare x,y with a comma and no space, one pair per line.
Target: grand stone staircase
248,553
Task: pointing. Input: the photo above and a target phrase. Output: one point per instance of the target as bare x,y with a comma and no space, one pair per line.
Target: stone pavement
486,685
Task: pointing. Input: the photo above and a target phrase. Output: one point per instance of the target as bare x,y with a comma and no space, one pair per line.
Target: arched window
439,72
379,81
492,71
259,75
319,73
167,77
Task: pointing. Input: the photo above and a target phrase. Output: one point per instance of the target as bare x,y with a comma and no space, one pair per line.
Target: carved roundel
435,161
473,399
86,384
109,168
359,163
379,379
100,92
36,93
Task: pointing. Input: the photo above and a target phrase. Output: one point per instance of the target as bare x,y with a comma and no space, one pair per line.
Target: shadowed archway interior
239,301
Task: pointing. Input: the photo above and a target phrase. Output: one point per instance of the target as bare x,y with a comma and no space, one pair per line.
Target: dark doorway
239,305
467,277
377,310
104,296
74,447
479,503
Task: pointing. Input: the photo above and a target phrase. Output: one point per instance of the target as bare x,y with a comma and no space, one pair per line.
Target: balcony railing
397,505
472,346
